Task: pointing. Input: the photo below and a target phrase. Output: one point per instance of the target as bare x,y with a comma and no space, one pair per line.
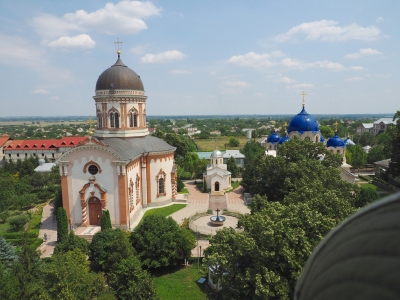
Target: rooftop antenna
304,101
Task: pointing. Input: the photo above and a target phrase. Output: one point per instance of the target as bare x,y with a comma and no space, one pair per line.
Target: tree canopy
159,241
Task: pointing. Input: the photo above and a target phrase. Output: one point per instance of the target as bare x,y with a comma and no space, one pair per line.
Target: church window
114,119
99,120
93,169
131,202
161,186
307,138
338,151
133,118
161,183
137,189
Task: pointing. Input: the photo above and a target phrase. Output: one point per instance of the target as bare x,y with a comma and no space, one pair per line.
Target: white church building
217,177
120,167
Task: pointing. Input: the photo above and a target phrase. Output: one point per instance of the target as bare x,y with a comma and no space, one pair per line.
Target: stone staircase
87,233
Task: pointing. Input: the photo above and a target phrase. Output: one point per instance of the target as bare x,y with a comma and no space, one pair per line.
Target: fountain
217,220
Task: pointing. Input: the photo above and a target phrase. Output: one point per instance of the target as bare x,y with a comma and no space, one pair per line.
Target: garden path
48,226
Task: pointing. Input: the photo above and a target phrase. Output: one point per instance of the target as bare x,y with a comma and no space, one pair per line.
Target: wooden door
95,211
217,186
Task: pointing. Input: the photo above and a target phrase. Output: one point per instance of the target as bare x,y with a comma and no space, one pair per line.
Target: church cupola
120,102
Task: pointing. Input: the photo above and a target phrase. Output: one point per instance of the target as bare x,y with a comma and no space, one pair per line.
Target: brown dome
119,77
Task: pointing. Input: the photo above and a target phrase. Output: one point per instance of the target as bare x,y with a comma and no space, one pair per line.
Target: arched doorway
216,186
95,211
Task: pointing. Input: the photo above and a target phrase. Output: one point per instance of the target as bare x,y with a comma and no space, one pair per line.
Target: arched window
338,151
99,119
137,189
130,191
161,186
307,138
161,191
114,119
133,118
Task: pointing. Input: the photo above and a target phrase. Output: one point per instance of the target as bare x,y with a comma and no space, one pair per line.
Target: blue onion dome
283,139
303,122
335,142
322,139
273,138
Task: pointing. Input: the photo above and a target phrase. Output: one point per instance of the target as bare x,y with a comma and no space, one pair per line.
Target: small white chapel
217,177
119,167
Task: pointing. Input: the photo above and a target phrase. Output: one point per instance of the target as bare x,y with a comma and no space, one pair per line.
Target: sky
203,57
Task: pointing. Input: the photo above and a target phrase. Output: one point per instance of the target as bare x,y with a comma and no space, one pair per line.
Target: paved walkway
48,226
197,203
235,201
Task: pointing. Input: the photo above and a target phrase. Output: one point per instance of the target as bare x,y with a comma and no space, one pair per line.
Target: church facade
120,167
217,177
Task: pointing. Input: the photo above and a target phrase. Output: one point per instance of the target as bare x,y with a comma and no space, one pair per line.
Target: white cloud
54,98
125,17
301,85
325,64
362,53
328,30
357,68
284,79
40,91
163,57
237,84
354,79
178,72
252,59
75,42
379,19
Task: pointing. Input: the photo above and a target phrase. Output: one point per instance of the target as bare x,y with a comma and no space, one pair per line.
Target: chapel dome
283,139
273,138
322,139
216,153
303,122
335,142
119,77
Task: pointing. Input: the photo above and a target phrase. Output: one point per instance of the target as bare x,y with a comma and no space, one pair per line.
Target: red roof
3,140
69,141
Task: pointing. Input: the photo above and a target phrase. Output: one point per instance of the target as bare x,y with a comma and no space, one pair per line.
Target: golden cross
284,126
90,125
336,124
303,94
273,122
118,48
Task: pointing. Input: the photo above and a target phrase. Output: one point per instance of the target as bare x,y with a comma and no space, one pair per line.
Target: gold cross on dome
336,124
284,126
90,125
303,94
118,48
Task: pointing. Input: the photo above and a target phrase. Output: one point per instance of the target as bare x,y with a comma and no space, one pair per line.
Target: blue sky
203,57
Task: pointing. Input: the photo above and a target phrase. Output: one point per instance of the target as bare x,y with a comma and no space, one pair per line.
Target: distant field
219,143
42,123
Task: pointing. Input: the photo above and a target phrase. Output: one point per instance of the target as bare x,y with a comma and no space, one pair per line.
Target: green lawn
234,185
376,188
164,211
184,191
180,283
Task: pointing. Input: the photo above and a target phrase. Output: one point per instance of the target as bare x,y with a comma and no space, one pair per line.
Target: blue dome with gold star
303,122
273,138
335,142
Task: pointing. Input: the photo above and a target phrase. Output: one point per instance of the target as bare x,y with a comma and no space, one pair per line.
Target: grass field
180,283
184,191
218,142
164,211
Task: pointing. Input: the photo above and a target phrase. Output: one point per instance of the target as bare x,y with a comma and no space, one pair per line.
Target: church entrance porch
95,211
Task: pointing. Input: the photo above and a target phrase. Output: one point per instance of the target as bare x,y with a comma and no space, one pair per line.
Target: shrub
106,220
62,224
72,242
18,222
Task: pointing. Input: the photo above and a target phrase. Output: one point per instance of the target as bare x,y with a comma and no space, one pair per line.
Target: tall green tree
62,224
108,248
160,241
233,142
232,167
130,281
359,157
106,220
376,154
8,255
68,276
266,258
